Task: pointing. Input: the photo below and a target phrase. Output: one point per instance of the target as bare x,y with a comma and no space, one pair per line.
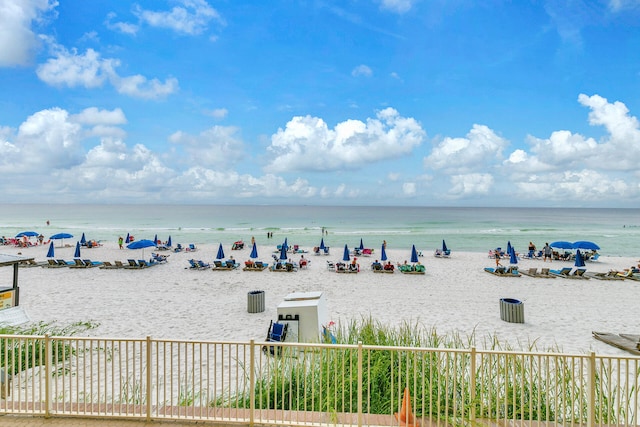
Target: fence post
472,385
252,382
149,368
591,382
47,376
360,383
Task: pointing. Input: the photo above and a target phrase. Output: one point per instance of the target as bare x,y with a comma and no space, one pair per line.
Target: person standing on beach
547,251
120,241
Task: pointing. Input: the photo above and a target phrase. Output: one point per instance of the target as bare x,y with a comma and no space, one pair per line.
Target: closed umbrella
50,252
322,246
345,256
414,254
76,254
383,256
169,242
128,239
83,240
220,254
444,247
579,259
509,247
513,259
155,239
254,252
361,247
283,252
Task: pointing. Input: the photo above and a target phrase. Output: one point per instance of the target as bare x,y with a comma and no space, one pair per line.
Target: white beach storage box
311,311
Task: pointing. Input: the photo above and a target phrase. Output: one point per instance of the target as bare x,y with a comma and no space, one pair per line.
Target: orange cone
405,416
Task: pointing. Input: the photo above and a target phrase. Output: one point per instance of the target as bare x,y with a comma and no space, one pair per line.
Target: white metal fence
312,384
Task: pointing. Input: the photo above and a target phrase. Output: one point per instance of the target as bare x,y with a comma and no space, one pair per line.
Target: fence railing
312,384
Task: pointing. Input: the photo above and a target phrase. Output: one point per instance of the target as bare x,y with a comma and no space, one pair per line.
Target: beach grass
441,380
32,354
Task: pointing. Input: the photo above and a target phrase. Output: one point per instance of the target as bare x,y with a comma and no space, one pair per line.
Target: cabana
10,296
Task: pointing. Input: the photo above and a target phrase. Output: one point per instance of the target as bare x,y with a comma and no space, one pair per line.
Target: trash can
255,302
511,310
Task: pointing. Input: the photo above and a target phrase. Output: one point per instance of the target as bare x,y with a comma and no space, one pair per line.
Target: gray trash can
511,310
255,302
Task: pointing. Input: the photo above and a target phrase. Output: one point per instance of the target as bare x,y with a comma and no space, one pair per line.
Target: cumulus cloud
481,146
307,143
218,113
470,184
70,68
362,71
18,41
219,146
189,17
119,26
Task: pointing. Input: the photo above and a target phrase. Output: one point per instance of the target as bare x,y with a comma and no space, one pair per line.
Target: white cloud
620,5
95,116
307,143
89,70
18,41
362,70
121,27
219,146
190,17
397,6
470,184
480,148
218,113
409,188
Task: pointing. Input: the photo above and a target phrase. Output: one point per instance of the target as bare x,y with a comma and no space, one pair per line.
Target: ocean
616,231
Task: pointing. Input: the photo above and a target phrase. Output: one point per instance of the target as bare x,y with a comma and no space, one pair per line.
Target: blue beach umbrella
513,259
345,256
141,244
83,240
361,247
579,259
562,244
155,239
322,246
509,247
77,252
51,251
383,256
169,241
283,252
583,244
220,254
128,239
444,246
414,254
285,245
61,237
254,251
27,233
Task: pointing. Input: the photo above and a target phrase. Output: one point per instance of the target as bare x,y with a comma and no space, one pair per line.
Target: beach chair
178,248
564,272
277,333
119,264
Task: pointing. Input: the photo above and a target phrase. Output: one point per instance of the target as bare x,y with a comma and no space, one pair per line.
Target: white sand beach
454,296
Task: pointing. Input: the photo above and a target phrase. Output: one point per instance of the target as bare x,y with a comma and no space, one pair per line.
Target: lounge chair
119,264
564,272
331,265
178,248
277,333
132,264
63,263
504,272
610,275
191,248
159,258
532,272
107,265
255,266
31,263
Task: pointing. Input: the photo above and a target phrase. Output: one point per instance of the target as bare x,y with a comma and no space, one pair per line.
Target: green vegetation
20,354
503,385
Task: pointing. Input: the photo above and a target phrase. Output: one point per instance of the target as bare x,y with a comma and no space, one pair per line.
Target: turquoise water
616,231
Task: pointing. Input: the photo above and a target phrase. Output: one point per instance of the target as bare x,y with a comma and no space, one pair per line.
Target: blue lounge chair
277,333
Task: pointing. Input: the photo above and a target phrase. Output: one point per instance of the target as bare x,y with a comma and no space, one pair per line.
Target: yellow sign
6,300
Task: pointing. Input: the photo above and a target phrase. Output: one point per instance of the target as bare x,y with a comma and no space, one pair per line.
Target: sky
334,102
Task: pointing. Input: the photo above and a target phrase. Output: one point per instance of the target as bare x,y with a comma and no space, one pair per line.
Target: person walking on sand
120,241
547,251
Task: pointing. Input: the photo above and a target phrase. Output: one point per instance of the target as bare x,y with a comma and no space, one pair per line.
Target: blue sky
352,102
